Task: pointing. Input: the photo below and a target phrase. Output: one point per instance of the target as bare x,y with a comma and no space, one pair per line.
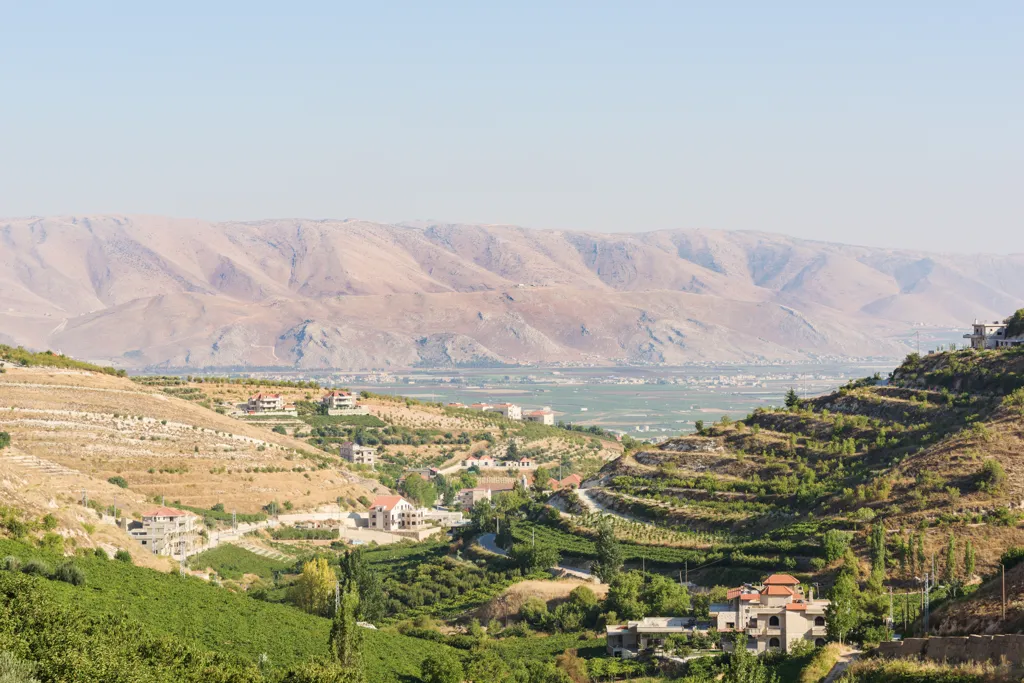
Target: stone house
356,454
340,400
265,403
774,615
544,416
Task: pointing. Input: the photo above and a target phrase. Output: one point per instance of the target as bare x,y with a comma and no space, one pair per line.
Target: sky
894,124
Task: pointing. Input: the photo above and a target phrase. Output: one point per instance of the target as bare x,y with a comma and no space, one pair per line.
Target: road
590,502
488,542
848,657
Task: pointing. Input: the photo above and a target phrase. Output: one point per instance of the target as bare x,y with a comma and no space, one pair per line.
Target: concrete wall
955,649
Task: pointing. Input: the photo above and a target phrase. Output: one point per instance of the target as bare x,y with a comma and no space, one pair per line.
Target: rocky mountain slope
149,291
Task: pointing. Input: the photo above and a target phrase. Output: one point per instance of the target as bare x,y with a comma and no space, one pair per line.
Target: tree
745,667
843,614
609,553
442,667
118,481
699,427
532,558
835,543
665,597
624,596
876,542
540,478
1015,324
357,575
346,638
512,450
314,589
792,398
968,561
949,571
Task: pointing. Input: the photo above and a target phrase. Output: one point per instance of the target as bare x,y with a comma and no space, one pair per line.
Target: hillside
147,291
932,453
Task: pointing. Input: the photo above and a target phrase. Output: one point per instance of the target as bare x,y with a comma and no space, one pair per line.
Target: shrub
123,556
101,554
37,568
1013,556
11,563
991,477
70,573
5,440
279,430
118,481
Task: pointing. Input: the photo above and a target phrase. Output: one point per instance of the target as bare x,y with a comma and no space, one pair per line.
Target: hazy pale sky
883,123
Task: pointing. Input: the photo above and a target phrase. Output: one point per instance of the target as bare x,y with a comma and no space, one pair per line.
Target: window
774,621
730,624
819,621
774,642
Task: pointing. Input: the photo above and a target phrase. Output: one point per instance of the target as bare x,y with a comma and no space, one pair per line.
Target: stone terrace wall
956,649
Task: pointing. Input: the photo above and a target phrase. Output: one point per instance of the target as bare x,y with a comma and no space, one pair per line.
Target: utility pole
1002,568
234,521
892,623
917,333
85,498
686,567
337,596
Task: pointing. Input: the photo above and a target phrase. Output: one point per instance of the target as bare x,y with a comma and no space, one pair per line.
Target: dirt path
848,657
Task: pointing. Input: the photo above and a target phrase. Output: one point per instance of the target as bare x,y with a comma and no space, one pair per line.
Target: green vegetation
232,562
22,356
118,481
218,630
5,440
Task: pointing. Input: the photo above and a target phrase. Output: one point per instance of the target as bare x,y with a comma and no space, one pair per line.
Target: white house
265,403
467,498
340,400
482,463
394,513
992,336
509,410
543,416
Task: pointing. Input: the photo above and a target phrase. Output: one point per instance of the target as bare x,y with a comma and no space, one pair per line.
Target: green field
232,562
217,619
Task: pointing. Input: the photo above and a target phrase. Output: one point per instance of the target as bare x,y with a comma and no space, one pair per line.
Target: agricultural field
72,431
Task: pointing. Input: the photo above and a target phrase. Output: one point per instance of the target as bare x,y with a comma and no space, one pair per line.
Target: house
774,615
523,463
356,454
482,407
509,410
573,481
480,463
544,416
394,513
340,400
992,336
167,531
648,634
467,498
265,403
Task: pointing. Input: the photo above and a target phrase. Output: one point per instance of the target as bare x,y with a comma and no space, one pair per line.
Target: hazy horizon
876,125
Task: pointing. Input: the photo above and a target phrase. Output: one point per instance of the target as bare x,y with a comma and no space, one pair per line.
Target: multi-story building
265,403
340,400
544,416
773,615
356,454
992,336
394,513
467,498
167,531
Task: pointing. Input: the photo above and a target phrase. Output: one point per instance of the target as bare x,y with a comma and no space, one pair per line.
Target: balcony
818,631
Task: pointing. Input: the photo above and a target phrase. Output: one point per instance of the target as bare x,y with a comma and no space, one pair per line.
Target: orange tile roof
750,597
781,580
777,591
386,502
733,593
796,607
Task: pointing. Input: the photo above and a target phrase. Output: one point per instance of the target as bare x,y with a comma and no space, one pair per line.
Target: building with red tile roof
774,615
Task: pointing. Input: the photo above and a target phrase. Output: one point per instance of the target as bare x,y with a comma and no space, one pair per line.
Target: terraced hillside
933,451
77,433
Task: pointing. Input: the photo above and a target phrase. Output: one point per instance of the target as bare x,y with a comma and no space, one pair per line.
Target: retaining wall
955,649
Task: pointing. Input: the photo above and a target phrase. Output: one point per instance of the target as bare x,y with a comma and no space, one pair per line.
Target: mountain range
145,291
